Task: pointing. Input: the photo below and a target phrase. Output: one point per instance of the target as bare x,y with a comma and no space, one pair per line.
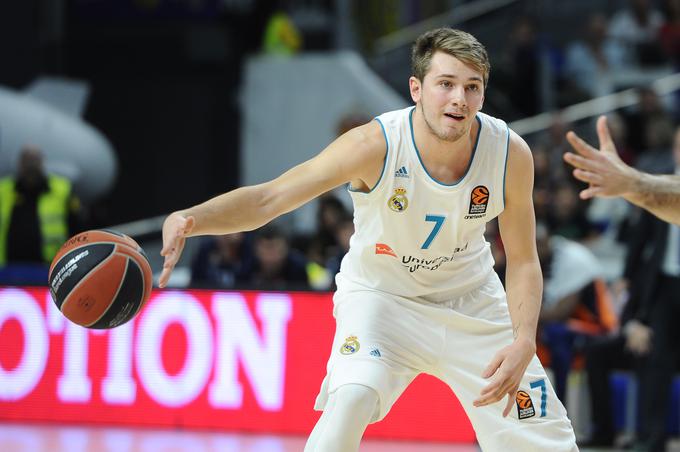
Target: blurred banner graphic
236,361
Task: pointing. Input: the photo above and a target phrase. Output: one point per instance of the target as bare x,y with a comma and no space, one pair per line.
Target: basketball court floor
15,437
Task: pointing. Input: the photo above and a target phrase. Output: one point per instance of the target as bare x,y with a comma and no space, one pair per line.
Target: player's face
450,96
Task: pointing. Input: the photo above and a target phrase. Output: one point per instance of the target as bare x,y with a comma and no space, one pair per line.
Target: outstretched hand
505,370
603,170
175,230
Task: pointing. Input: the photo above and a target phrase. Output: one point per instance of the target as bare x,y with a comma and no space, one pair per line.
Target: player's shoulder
518,149
368,139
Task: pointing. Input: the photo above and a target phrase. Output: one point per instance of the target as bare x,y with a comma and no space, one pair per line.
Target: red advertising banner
246,361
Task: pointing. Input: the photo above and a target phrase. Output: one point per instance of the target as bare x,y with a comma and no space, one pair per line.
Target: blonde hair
456,43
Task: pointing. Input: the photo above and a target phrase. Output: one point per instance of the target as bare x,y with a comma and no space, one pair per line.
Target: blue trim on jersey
472,157
507,153
387,151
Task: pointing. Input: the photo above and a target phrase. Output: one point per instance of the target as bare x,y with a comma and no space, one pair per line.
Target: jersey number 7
438,222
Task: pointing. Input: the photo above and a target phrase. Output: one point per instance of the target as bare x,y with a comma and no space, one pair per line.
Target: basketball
100,279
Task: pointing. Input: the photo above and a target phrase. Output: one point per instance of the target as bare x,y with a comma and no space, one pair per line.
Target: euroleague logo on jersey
479,200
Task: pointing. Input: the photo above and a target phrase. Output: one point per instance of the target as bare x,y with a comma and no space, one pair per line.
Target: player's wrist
526,341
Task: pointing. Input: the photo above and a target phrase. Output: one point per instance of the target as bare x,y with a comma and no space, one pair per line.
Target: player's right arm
607,175
356,157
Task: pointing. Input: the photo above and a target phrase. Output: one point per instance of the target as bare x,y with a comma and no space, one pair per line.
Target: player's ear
415,86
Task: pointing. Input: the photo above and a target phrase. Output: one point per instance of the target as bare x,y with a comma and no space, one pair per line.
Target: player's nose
457,96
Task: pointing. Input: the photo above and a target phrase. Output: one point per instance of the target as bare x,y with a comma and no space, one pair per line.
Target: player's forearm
524,288
660,194
243,209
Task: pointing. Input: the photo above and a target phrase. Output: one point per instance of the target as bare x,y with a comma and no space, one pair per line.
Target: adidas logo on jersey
401,172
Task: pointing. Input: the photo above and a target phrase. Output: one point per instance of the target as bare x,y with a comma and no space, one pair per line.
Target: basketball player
607,175
417,291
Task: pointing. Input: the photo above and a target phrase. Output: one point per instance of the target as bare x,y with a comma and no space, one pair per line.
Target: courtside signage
247,361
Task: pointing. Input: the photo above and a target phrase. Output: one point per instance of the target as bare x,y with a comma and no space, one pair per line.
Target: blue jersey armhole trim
387,151
507,153
472,157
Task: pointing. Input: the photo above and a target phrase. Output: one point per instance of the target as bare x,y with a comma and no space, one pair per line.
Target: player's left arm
524,281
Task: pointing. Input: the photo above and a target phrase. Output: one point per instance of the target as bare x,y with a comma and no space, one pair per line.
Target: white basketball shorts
384,341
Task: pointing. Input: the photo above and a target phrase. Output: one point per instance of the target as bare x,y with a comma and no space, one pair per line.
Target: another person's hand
506,371
175,230
604,171
638,337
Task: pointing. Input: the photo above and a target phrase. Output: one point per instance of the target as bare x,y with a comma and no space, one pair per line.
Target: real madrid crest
398,202
350,346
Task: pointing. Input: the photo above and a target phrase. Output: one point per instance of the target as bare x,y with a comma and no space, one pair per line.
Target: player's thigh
537,421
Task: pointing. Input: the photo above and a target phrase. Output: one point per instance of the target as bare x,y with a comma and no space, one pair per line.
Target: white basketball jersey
415,236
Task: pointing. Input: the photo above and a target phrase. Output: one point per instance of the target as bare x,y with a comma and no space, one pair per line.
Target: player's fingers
606,142
581,146
168,246
493,366
591,192
508,406
579,162
165,276
588,176
491,388
189,225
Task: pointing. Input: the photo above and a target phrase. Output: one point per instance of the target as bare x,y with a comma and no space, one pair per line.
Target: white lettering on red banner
230,360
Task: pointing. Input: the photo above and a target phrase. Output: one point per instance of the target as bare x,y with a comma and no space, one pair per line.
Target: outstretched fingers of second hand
511,402
580,146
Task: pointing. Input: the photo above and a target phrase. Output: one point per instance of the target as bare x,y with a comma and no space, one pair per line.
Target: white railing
593,107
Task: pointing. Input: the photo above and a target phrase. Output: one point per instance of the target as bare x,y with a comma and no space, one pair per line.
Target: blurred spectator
649,334
38,212
276,266
553,141
222,261
567,214
281,36
636,28
343,232
669,34
325,243
576,302
648,112
525,63
590,63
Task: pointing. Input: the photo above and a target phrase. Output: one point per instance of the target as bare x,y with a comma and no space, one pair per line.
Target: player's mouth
455,116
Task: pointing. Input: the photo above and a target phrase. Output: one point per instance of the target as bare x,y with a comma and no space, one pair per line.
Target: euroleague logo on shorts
479,200
525,407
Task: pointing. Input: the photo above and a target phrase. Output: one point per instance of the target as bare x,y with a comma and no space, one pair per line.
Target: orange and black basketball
480,195
523,400
100,279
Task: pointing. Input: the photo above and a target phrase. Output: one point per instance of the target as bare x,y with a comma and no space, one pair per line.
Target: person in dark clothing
222,260
276,266
649,333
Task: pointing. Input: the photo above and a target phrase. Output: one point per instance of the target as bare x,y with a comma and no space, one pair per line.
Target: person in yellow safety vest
35,211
